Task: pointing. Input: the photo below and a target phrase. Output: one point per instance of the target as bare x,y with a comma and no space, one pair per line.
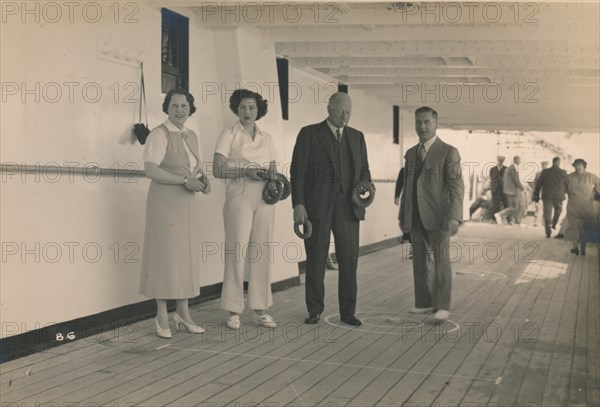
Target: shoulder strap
143,96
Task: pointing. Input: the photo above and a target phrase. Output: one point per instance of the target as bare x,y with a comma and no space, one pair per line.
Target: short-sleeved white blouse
235,143
156,144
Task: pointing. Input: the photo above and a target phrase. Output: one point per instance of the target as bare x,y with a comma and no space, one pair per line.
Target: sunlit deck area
523,330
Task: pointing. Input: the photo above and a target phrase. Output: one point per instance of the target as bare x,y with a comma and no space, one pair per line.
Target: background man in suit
329,159
496,180
538,212
552,182
512,187
431,210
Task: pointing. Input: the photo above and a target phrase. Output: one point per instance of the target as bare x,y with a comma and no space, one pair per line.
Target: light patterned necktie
338,134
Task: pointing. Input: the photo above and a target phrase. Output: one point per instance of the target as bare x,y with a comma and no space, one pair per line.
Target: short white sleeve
224,142
155,148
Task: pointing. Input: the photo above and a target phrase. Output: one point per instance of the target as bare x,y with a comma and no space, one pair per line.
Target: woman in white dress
241,152
171,259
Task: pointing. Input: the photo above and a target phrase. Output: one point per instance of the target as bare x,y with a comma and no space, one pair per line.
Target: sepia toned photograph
299,203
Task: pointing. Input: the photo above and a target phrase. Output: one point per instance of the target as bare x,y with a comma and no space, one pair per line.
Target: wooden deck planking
364,367
518,337
408,385
593,342
154,387
209,362
578,382
480,319
463,301
552,296
68,370
443,375
513,300
291,365
557,383
485,344
341,364
167,396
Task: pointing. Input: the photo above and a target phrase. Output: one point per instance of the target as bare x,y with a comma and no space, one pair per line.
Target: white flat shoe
191,328
426,310
441,315
233,321
163,333
265,320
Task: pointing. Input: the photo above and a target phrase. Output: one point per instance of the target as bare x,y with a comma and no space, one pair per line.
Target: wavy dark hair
179,91
239,94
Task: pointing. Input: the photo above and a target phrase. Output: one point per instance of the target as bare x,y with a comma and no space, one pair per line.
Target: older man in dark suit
431,210
329,159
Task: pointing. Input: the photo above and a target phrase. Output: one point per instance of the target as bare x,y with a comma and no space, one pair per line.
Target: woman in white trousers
241,152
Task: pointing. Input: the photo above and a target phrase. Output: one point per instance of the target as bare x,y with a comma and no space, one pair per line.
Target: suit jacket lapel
324,136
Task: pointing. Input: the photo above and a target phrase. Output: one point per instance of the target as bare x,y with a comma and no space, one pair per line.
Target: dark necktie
420,159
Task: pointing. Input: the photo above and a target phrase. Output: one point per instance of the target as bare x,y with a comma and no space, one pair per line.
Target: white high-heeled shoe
163,333
191,328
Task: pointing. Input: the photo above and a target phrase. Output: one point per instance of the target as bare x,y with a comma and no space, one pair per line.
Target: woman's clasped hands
199,183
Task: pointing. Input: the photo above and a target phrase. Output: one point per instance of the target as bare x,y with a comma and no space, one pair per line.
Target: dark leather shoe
312,319
351,320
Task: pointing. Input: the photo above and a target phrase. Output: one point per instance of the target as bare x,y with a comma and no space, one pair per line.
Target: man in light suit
329,159
431,210
512,187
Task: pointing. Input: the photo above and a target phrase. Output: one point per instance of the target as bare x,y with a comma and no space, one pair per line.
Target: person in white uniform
171,259
242,151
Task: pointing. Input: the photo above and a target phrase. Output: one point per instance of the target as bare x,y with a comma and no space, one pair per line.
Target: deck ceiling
492,66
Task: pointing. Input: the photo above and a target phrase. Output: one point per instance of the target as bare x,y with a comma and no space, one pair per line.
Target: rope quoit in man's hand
363,194
307,230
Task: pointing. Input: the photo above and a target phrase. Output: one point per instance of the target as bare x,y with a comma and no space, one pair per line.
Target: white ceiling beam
471,81
497,62
438,48
566,31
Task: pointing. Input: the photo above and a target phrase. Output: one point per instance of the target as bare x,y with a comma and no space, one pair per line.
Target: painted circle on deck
399,325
